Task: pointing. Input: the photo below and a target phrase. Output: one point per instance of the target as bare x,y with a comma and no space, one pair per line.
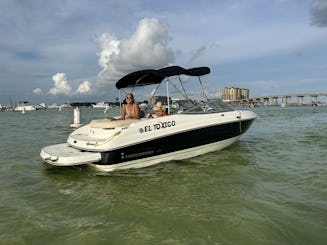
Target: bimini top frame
153,76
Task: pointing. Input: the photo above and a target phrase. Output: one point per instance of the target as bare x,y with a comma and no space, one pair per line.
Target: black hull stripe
175,142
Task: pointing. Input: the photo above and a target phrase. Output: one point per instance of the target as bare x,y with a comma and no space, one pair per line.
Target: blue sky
66,51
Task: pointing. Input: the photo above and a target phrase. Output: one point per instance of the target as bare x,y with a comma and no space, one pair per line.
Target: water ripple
270,187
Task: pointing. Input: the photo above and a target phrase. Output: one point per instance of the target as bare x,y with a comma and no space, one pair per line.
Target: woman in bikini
130,109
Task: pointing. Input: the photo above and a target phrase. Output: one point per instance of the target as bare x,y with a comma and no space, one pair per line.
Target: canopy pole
168,104
202,88
180,81
119,101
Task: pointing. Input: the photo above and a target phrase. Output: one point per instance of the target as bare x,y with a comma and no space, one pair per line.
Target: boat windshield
208,106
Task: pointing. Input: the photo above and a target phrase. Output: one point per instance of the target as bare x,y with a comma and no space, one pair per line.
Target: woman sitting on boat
130,110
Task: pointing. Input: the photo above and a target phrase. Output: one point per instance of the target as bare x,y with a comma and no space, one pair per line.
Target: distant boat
53,106
23,106
10,106
101,105
65,105
41,106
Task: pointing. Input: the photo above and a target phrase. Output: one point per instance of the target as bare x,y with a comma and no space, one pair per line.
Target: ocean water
268,188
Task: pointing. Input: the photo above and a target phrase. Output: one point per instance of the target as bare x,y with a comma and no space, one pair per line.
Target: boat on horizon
191,127
24,106
102,105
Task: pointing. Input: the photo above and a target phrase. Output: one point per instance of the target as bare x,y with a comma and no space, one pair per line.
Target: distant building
232,94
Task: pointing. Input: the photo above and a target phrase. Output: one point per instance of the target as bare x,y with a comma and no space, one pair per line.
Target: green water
268,188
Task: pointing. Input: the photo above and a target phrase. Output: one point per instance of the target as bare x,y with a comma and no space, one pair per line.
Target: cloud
84,88
109,49
61,85
198,53
146,48
319,13
37,91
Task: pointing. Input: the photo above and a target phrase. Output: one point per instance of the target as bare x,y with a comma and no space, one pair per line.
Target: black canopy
152,76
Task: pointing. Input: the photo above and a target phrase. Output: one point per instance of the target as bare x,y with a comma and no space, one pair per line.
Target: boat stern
65,155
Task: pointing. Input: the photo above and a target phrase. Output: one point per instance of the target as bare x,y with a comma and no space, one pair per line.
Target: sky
75,50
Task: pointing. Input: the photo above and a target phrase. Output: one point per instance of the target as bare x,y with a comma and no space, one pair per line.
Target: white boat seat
109,123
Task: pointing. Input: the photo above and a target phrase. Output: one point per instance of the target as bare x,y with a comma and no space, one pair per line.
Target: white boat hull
178,155
65,155
26,108
133,145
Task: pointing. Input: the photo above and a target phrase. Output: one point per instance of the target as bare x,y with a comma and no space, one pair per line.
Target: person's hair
130,94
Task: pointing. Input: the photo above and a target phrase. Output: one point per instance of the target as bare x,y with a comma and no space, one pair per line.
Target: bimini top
153,76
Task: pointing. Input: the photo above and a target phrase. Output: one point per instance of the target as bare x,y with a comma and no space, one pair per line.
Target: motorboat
101,105
24,106
192,127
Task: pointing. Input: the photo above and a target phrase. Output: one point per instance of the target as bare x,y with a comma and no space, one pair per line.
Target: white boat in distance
189,129
101,105
24,106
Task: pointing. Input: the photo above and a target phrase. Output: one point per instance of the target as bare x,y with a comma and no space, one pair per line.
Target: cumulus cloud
319,13
84,88
109,49
145,48
61,86
37,91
